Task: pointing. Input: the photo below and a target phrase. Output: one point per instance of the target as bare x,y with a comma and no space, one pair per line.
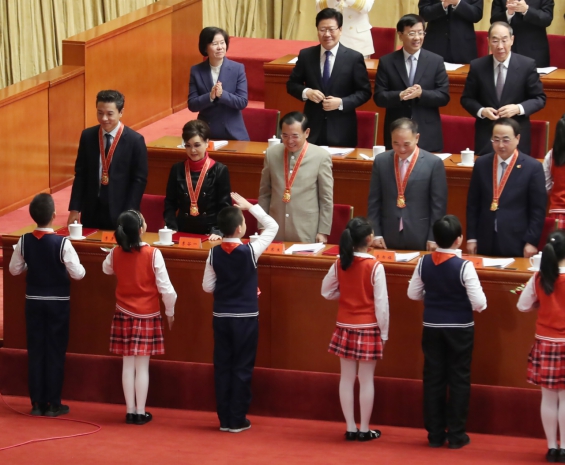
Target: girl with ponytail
545,291
358,281
137,326
554,169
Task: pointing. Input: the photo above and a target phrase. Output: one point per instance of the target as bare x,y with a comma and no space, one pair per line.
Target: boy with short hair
49,260
231,274
451,291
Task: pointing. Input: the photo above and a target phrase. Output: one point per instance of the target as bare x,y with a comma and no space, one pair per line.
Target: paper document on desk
339,151
547,70
452,66
406,257
443,156
497,262
294,60
315,248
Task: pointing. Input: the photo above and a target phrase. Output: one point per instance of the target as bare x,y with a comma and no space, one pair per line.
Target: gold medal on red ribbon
401,185
194,193
290,182
105,160
496,188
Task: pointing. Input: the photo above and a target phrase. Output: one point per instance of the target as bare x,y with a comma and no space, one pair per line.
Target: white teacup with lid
253,237
165,235
273,141
535,261
467,157
378,149
75,230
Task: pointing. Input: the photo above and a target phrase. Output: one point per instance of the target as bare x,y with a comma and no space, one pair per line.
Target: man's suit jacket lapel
340,66
400,66
421,66
515,175
511,80
415,171
488,72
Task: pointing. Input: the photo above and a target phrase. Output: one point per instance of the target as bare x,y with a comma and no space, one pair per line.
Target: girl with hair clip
358,281
554,169
545,291
137,326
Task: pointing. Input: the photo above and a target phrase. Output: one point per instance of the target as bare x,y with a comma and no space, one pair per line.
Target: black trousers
47,329
235,348
447,381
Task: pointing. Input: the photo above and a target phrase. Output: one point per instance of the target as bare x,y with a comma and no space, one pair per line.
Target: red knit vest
557,195
551,313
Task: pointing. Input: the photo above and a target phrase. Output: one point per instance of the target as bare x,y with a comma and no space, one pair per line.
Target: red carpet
181,436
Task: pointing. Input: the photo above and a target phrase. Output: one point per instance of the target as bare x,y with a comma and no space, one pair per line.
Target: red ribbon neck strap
107,160
289,179
194,193
401,185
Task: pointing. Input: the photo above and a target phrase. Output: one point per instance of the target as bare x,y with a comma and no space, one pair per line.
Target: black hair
404,123
409,20
111,96
207,37
500,23
41,209
229,219
552,254
295,117
447,230
127,232
196,127
558,149
355,235
507,122
330,13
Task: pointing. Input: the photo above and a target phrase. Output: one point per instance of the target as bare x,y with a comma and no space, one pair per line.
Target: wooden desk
352,174
296,323
278,71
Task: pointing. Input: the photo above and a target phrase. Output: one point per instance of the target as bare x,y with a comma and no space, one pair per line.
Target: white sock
141,381
366,392
128,382
549,409
346,394
561,417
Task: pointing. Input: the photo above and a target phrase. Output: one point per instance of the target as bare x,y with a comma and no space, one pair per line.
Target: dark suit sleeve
384,97
237,100
438,194
431,10
498,11
534,89
537,202
138,172
542,17
374,211
296,81
80,182
470,10
469,98
361,84
198,99
473,204
439,95
223,188
171,201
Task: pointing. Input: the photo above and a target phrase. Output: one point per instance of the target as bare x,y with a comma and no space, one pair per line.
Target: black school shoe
351,435
436,444
238,429
552,455
561,458
56,410
142,418
38,409
459,444
130,418
368,435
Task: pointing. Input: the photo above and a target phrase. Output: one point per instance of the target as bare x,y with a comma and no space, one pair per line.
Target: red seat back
540,138
458,133
366,129
152,208
341,216
556,50
482,43
383,41
261,123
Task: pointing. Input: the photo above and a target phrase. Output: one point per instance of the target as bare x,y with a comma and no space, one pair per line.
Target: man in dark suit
110,169
502,85
529,19
412,83
506,213
450,32
333,81
408,192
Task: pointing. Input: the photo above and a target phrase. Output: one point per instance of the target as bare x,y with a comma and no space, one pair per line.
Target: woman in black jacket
198,188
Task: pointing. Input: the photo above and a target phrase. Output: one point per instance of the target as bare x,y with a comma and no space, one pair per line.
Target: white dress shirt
322,63
547,163
112,133
407,61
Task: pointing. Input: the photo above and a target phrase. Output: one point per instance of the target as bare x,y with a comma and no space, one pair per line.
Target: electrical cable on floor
98,427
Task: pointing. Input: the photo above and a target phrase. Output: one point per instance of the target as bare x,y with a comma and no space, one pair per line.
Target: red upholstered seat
152,208
556,50
549,225
383,41
540,138
341,216
367,122
261,123
458,133
482,43
250,220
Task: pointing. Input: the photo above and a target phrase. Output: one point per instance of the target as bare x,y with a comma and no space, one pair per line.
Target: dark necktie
108,143
326,73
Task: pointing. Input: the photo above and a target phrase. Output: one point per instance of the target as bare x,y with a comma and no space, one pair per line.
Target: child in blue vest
49,260
231,274
451,291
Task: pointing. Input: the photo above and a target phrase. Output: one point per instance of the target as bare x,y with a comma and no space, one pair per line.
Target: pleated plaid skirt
546,364
136,336
357,343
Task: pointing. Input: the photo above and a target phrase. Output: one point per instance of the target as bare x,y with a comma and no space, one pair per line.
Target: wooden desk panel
296,323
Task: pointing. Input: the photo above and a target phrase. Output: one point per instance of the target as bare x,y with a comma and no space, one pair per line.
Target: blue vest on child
47,277
446,304
235,294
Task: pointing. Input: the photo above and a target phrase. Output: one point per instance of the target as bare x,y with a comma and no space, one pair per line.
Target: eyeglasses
497,41
504,140
291,136
331,30
415,34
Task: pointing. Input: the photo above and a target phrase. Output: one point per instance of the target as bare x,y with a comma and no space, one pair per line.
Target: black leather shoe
368,435
561,458
142,418
351,435
238,429
552,455
130,418
37,410
436,444
56,410
459,444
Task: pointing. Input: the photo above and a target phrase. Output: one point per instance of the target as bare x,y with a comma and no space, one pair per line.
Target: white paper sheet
294,60
547,70
497,262
406,257
339,151
452,66
443,156
305,248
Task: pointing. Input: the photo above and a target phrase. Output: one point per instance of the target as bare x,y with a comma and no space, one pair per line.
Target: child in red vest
358,281
137,327
545,291
554,169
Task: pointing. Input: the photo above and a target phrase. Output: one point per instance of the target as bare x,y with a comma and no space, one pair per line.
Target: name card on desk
476,261
275,249
385,255
108,236
190,243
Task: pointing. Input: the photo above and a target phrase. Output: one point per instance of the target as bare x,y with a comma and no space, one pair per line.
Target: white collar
506,62
44,229
114,131
409,157
237,240
363,255
415,55
333,50
450,251
507,161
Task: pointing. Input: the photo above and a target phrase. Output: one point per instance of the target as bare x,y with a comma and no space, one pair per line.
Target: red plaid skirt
357,343
136,336
546,364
